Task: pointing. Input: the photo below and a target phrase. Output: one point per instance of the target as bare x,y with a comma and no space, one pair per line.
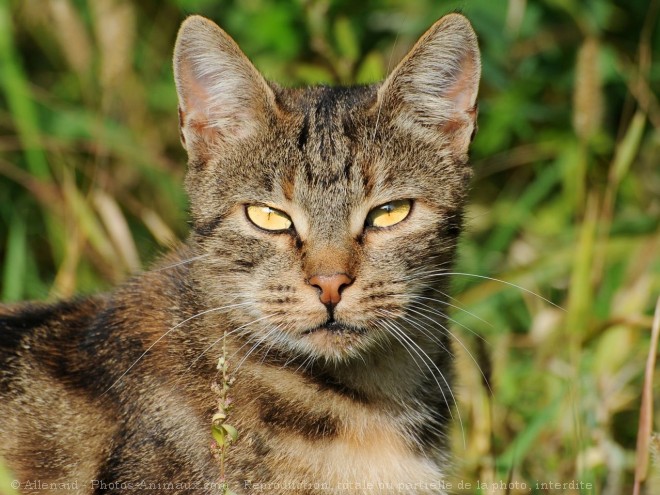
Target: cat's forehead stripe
327,134
303,135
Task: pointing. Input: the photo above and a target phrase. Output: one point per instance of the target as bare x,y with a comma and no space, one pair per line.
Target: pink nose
331,286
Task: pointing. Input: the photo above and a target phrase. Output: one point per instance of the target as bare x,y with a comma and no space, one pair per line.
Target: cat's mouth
335,339
335,327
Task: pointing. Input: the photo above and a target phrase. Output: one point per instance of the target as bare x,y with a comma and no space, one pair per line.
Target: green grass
565,201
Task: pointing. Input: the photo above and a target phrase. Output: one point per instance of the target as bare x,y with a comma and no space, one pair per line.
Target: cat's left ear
433,91
222,96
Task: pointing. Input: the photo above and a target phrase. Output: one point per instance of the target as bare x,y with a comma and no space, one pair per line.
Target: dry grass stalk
71,35
115,31
587,96
118,229
646,409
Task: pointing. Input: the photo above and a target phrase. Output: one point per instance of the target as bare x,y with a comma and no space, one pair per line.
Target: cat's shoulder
167,278
28,317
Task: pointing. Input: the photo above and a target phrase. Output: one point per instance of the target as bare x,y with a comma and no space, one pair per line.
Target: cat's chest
368,456
375,459
319,442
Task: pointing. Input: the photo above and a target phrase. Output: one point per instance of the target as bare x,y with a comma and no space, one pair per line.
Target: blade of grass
525,440
13,276
523,208
157,227
15,86
580,291
117,228
627,149
89,222
578,317
624,155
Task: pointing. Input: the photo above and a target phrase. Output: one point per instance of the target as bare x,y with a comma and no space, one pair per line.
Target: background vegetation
565,202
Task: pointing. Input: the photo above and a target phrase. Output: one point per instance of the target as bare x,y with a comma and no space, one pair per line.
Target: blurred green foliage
565,201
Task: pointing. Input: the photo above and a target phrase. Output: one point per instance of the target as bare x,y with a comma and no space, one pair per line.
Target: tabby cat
325,223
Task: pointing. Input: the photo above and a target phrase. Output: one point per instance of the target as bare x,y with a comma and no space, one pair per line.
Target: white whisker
439,313
166,334
511,284
426,359
460,342
235,330
447,297
266,335
184,262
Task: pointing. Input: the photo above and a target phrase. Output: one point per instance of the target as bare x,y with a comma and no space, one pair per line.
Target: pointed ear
433,90
222,96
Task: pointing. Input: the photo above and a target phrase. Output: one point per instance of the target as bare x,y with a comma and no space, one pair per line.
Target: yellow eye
389,214
268,218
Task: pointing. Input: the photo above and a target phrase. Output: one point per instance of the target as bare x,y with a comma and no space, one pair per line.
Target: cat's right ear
222,96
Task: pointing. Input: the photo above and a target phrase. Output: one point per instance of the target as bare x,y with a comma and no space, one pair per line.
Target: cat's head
327,215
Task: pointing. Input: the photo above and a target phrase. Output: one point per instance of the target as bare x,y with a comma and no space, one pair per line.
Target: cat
324,224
